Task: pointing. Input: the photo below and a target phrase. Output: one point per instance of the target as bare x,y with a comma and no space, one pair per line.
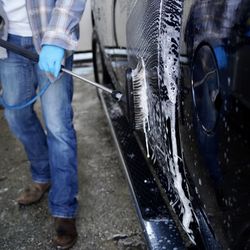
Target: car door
131,33
130,27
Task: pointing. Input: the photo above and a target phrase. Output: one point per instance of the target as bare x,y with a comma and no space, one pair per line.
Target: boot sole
68,246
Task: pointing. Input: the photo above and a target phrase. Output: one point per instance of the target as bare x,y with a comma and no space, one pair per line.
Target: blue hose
26,103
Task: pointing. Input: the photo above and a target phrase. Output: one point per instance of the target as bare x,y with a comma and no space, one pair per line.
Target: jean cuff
59,215
41,180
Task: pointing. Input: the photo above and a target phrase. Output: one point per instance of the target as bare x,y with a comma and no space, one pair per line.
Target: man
50,28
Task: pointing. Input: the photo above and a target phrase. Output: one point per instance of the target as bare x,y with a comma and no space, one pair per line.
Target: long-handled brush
136,96
117,95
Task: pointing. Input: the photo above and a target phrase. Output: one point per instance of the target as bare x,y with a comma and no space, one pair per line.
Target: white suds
168,53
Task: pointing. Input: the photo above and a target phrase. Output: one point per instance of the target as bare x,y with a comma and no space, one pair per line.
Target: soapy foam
168,54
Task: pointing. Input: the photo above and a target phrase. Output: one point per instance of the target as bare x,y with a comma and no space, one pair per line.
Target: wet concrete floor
106,217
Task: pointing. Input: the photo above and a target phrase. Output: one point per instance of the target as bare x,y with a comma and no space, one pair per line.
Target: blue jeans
52,152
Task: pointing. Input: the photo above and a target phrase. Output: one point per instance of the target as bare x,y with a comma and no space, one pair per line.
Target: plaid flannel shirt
54,22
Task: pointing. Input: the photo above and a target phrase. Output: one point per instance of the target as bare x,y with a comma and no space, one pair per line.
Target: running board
159,229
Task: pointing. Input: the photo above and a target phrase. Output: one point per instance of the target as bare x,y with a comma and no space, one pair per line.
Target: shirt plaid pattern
55,22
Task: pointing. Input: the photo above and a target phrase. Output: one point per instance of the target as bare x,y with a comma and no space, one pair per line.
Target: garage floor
106,218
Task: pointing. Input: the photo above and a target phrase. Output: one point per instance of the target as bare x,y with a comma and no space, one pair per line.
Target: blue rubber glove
50,59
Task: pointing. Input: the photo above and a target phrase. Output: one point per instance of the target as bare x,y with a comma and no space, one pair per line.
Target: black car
185,136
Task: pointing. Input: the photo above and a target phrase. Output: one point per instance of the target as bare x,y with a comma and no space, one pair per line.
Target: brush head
137,98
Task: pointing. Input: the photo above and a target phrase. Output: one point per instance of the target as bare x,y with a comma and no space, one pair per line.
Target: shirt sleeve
63,28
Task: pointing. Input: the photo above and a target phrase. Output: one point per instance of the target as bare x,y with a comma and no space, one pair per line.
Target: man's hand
50,59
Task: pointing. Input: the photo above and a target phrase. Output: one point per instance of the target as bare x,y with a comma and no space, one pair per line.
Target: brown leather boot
66,234
33,193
